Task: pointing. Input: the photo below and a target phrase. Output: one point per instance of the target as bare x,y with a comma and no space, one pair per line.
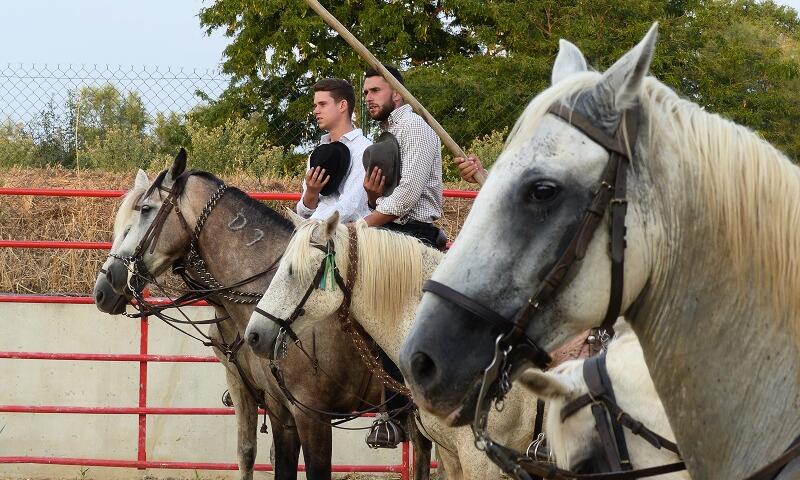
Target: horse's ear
179,165
331,224
141,182
569,61
296,219
544,385
620,85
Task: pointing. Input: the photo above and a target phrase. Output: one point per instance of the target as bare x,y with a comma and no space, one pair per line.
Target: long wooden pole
364,53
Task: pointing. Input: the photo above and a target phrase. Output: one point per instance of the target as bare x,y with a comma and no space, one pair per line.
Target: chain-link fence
119,117
28,90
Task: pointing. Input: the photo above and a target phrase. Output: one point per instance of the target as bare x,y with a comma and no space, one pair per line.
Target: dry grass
90,219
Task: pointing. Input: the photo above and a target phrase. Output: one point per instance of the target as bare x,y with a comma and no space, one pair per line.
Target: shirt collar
346,138
398,114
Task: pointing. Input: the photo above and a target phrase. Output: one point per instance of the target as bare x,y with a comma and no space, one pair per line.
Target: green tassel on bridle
328,281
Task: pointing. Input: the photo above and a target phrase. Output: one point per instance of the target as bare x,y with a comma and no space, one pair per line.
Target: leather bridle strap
610,191
298,311
596,376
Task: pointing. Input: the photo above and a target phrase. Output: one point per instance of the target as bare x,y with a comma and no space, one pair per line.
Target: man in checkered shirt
416,202
411,208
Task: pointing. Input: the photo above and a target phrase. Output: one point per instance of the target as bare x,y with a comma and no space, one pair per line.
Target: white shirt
351,198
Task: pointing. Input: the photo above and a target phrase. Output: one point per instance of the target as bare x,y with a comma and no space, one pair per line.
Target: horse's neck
237,242
388,331
725,368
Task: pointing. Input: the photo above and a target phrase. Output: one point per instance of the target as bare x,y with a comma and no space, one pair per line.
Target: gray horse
239,238
711,271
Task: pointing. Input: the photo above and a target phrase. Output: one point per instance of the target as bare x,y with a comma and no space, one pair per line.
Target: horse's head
522,222
149,236
302,285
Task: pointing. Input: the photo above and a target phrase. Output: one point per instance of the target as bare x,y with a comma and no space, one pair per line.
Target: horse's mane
389,264
747,188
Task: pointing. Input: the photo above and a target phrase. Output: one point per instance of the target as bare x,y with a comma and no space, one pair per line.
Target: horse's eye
145,208
543,191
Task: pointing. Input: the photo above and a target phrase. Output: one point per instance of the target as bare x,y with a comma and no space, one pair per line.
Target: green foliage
239,146
15,146
98,109
119,149
475,63
170,133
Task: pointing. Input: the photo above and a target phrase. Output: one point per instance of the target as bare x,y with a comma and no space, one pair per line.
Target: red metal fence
142,357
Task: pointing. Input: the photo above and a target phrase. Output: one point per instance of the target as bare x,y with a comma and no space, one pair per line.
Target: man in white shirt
334,100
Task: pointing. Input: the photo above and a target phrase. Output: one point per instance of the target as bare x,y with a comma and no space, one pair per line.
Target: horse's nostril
423,368
252,339
98,297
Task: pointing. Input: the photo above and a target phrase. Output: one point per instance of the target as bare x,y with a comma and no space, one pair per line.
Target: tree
475,63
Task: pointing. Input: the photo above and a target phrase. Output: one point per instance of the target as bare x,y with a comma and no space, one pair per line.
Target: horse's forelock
125,211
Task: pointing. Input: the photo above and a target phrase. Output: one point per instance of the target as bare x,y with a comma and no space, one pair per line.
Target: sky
117,32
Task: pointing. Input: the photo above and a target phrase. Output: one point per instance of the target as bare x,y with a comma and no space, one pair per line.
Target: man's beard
384,112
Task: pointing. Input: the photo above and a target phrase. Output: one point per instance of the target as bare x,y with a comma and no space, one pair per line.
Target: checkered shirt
418,195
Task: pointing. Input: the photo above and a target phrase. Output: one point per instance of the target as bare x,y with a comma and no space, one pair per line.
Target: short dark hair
339,90
373,72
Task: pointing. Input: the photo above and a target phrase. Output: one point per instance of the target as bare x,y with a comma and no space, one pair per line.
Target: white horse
711,271
391,269
574,440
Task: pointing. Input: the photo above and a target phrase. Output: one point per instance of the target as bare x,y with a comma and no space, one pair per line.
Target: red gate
142,357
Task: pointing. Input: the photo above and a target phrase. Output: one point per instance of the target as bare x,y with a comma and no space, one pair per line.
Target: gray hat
384,154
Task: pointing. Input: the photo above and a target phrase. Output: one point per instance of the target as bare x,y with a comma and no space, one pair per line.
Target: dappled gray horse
710,277
236,239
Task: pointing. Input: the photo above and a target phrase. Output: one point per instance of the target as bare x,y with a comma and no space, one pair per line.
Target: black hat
384,154
334,157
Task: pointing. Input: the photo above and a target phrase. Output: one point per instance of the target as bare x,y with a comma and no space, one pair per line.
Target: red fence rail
143,358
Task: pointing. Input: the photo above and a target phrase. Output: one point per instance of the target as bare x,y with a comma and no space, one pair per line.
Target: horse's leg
246,423
422,448
287,449
449,464
315,435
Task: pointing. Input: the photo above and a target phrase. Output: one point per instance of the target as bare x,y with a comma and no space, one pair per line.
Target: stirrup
385,433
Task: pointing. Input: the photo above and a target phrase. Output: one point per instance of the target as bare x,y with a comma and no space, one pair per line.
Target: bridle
514,349
203,287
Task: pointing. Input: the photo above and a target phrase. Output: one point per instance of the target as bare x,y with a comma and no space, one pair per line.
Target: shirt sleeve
418,154
301,209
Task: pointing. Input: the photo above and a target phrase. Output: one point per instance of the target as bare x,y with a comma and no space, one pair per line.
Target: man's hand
374,183
468,167
315,182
